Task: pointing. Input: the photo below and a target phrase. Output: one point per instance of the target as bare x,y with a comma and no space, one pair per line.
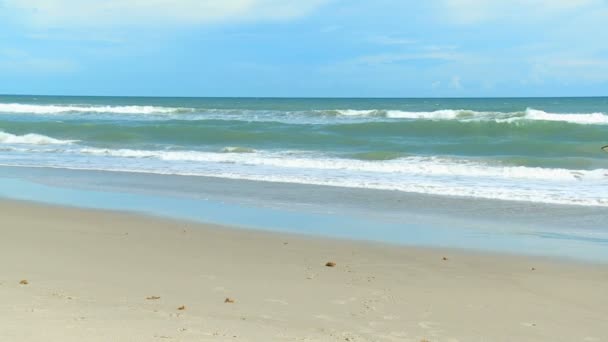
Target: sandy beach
85,275
322,170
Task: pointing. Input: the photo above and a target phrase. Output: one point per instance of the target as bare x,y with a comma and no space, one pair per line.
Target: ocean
543,150
522,176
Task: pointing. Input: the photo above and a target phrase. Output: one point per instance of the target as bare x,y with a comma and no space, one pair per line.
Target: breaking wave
32,139
19,108
412,165
427,175
308,116
469,115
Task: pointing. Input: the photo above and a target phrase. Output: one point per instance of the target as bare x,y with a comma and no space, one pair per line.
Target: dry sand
106,276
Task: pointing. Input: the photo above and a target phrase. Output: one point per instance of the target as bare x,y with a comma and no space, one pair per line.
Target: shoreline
89,273
207,227
572,232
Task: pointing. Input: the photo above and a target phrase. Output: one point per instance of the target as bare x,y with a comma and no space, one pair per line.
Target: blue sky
355,48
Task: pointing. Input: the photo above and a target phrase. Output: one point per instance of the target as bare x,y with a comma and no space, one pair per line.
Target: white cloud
391,58
95,13
455,82
391,40
477,11
330,28
16,60
570,68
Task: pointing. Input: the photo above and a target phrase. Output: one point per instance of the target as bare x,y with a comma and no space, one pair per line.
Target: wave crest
529,114
237,149
421,174
310,116
411,165
32,139
19,108
579,118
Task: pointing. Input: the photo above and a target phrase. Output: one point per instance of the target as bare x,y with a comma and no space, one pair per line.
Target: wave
529,114
309,116
411,165
19,108
578,118
428,175
354,112
442,114
32,139
237,149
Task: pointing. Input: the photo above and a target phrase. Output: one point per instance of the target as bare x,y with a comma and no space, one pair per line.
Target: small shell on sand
183,307
24,282
228,300
330,264
153,298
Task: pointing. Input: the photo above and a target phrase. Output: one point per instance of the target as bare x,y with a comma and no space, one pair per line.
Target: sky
305,48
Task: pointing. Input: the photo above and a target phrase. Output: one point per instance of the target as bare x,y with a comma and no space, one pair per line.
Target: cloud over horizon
93,13
305,48
479,11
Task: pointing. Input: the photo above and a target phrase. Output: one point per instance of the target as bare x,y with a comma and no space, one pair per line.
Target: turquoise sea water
544,150
514,175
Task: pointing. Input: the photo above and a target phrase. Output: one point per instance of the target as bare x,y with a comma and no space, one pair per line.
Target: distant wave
331,116
444,114
237,149
57,109
589,119
469,115
31,139
354,112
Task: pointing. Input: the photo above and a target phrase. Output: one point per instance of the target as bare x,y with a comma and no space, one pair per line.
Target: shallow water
574,232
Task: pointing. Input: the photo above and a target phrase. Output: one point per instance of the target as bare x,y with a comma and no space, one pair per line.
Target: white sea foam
19,108
316,116
445,114
469,115
31,139
353,112
428,175
579,118
430,166
529,115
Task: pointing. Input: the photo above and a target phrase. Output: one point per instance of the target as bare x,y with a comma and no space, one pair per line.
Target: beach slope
84,275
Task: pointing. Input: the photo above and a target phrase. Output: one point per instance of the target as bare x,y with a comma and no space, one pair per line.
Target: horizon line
315,97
